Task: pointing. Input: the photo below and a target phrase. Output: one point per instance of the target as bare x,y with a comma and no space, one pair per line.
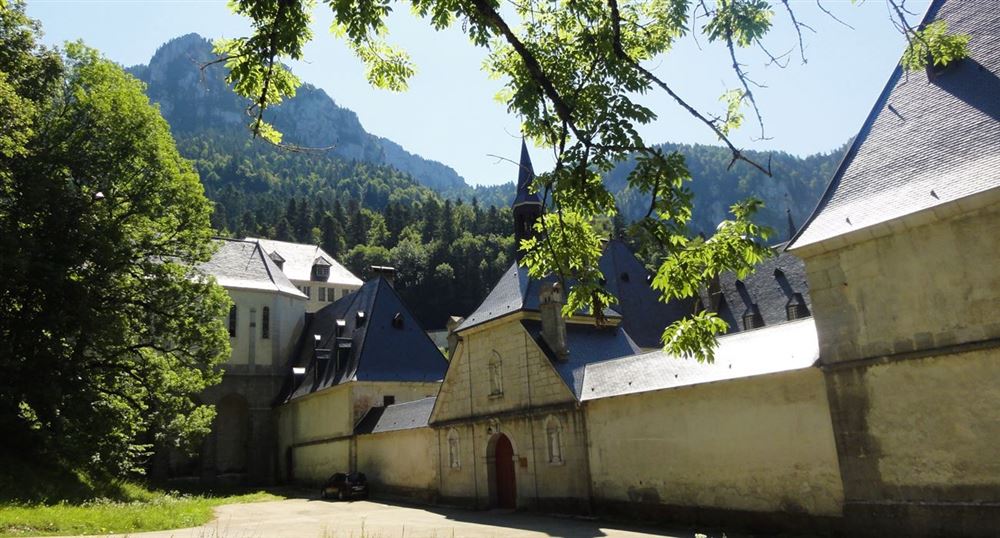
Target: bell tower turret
527,206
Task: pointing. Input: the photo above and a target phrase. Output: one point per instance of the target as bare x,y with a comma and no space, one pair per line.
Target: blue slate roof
588,344
928,141
514,292
380,341
644,315
768,290
525,175
396,417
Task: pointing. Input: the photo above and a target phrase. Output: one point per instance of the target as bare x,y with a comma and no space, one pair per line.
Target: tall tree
107,328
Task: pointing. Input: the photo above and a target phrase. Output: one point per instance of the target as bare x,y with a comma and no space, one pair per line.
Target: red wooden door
506,485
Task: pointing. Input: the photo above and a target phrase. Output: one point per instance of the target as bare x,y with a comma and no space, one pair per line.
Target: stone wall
314,431
559,485
528,379
918,288
757,451
909,333
400,464
533,399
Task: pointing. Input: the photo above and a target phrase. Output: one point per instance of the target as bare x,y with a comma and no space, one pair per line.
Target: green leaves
742,21
934,45
107,328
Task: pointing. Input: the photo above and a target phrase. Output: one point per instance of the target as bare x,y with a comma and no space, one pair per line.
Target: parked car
343,486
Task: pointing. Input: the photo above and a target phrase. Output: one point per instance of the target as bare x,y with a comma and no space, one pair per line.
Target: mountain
209,123
195,100
795,185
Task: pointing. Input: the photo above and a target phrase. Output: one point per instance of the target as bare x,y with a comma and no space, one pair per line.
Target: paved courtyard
308,518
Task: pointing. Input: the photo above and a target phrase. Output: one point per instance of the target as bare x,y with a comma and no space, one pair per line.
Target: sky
449,114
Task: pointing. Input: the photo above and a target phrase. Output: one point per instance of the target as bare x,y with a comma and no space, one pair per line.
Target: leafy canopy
107,327
575,74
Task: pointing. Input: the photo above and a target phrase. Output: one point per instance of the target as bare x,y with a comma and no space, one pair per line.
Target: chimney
550,300
386,272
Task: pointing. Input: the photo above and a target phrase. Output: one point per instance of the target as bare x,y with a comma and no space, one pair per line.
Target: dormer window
752,319
277,259
796,308
397,320
321,268
359,319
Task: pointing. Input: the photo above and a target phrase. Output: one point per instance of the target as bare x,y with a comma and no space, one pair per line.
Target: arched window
265,323
454,450
496,375
232,321
553,440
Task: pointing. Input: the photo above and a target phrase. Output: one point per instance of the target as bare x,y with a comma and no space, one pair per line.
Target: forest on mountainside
368,201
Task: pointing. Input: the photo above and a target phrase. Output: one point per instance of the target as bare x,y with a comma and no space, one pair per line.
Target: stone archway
502,472
232,434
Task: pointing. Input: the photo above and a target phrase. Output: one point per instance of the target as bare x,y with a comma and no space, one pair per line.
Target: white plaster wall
313,303
287,318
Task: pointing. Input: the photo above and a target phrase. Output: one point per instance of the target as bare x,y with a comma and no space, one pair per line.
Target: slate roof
514,292
644,315
300,258
783,348
244,265
396,417
772,285
525,175
373,349
925,142
588,344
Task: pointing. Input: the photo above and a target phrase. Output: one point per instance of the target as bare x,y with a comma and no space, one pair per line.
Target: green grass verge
141,510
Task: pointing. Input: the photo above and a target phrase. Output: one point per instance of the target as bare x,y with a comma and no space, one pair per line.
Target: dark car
342,486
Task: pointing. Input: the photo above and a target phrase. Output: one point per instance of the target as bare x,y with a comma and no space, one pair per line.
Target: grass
144,511
50,500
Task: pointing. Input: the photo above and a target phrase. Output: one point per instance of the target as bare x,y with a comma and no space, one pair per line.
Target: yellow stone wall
529,380
908,324
943,440
313,429
919,287
533,394
539,482
403,462
760,444
314,464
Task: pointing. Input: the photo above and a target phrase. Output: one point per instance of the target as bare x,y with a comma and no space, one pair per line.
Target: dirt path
304,518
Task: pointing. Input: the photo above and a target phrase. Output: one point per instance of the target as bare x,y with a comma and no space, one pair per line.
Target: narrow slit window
232,321
265,323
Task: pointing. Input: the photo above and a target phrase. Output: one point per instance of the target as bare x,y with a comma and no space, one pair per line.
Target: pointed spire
525,175
791,223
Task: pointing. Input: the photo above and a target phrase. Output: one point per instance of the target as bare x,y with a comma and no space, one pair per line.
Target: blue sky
449,113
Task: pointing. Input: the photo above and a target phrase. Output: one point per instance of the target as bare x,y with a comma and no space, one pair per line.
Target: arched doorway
232,431
504,479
